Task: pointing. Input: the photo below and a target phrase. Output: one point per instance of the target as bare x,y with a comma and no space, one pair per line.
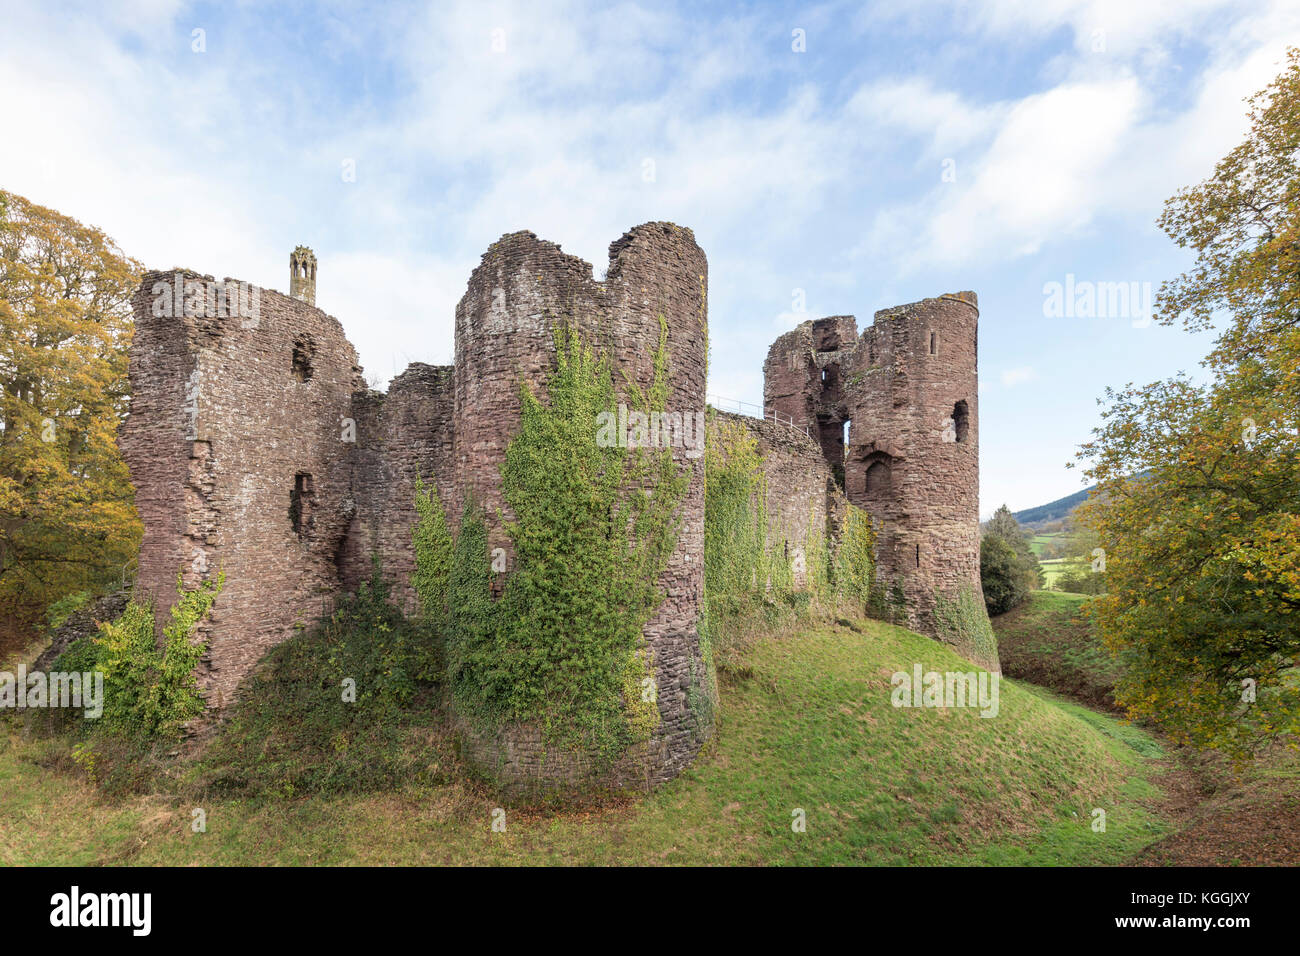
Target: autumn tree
1199,507
67,518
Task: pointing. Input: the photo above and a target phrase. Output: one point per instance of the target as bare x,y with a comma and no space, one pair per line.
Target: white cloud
1012,377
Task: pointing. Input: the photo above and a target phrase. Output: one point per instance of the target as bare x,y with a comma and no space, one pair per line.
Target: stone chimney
302,275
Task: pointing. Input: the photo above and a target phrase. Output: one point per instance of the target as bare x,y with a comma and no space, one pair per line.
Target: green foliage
964,623
293,732
1009,569
149,693
853,568
594,525
1198,503
1079,578
65,607
1000,574
737,565
433,548
67,511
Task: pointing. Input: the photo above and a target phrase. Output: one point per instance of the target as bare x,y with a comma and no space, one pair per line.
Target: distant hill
1053,510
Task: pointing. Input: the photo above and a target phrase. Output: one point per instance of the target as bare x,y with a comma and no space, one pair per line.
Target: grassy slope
1222,815
1047,640
809,726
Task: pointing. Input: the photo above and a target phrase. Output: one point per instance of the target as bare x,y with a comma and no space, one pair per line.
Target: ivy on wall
853,568
432,543
593,528
744,566
964,623
737,565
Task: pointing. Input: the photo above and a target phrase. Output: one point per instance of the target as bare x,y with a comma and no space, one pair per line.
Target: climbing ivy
592,530
433,549
737,566
743,569
964,623
853,569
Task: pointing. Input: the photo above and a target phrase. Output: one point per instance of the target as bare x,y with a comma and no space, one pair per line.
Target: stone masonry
524,289
257,451
907,390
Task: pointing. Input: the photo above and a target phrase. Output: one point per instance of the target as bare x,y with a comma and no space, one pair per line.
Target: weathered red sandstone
256,450
908,391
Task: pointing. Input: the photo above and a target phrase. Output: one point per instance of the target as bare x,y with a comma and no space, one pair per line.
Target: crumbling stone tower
803,381
237,444
521,293
907,387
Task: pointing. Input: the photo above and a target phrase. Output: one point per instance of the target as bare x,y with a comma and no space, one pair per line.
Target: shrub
150,693
1002,575
299,729
1009,569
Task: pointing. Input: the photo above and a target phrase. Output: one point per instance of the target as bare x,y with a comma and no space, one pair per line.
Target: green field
806,725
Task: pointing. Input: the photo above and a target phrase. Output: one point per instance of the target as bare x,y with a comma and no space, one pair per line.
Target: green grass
806,723
1041,540
1049,641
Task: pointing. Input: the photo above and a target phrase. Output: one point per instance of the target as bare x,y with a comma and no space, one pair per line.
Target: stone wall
399,436
800,484
521,293
235,446
256,451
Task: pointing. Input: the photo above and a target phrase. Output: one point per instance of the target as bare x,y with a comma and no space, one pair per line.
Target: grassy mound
806,725
1047,640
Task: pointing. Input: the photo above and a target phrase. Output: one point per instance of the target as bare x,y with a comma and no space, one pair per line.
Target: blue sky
914,147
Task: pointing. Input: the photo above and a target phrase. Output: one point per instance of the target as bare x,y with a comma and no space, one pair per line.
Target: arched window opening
877,478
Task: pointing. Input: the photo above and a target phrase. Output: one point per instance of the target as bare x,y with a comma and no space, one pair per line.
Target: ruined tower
239,452
521,293
803,381
907,389
302,275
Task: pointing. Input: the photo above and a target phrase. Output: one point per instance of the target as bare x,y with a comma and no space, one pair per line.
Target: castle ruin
895,411
256,450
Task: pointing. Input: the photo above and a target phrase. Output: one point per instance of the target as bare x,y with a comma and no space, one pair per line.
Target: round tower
913,464
523,291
